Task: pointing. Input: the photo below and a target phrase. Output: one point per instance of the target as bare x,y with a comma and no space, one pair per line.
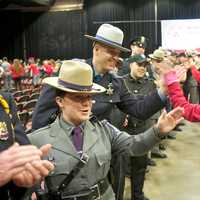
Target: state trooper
82,145
20,163
107,45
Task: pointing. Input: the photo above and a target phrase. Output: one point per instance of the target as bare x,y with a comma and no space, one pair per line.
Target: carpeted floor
178,176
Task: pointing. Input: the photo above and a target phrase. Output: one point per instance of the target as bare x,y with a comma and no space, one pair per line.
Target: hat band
106,40
74,86
158,58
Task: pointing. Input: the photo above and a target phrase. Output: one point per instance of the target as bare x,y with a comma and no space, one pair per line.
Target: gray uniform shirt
101,141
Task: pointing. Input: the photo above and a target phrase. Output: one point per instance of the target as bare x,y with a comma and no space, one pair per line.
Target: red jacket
195,73
191,111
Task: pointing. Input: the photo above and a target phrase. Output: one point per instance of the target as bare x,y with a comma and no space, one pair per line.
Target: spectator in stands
34,72
7,74
17,72
47,68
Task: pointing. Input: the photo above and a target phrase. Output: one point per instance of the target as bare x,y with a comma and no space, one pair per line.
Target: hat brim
129,60
155,58
53,81
110,44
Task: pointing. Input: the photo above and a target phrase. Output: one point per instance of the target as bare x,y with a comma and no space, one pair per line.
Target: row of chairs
26,106
25,117
25,98
26,92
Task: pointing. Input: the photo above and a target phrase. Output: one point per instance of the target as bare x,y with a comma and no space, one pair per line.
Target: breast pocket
103,159
114,98
103,105
64,163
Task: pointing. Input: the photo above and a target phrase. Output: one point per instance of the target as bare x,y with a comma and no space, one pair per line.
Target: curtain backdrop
61,34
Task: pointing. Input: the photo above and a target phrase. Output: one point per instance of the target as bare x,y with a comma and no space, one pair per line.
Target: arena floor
178,176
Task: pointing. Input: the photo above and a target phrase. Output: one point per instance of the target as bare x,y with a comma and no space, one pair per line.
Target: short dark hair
60,93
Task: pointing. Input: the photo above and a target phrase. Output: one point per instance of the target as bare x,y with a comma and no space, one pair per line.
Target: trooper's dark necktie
77,138
97,78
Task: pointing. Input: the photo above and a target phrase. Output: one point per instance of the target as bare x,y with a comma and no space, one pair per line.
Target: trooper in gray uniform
107,45
77,138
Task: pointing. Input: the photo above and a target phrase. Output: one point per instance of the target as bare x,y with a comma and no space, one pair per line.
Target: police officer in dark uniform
106,49
138,46
138,84
15,153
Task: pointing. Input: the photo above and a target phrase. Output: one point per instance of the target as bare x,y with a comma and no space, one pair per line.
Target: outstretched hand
165,67
168,121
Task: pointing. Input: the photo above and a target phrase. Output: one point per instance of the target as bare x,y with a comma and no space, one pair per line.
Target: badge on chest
3,131
110,90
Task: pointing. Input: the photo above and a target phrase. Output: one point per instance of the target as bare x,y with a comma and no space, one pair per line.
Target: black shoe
171,137
151,162
141,198
177,128
181,124
147,170
158,155
162,147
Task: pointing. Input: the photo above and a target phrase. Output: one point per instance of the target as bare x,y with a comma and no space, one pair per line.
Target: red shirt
48,68
16,73
34,68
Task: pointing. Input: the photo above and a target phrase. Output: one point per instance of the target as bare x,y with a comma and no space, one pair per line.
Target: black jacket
15,134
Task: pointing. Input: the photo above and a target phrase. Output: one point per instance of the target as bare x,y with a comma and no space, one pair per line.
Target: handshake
23,165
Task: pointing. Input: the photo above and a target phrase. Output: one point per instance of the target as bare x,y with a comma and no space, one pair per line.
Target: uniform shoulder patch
115,131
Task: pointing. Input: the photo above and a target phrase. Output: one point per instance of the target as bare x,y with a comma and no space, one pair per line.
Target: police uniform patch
115,131
3,131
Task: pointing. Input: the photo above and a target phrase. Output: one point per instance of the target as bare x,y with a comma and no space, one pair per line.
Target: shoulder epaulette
41,129
104,121
93,119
